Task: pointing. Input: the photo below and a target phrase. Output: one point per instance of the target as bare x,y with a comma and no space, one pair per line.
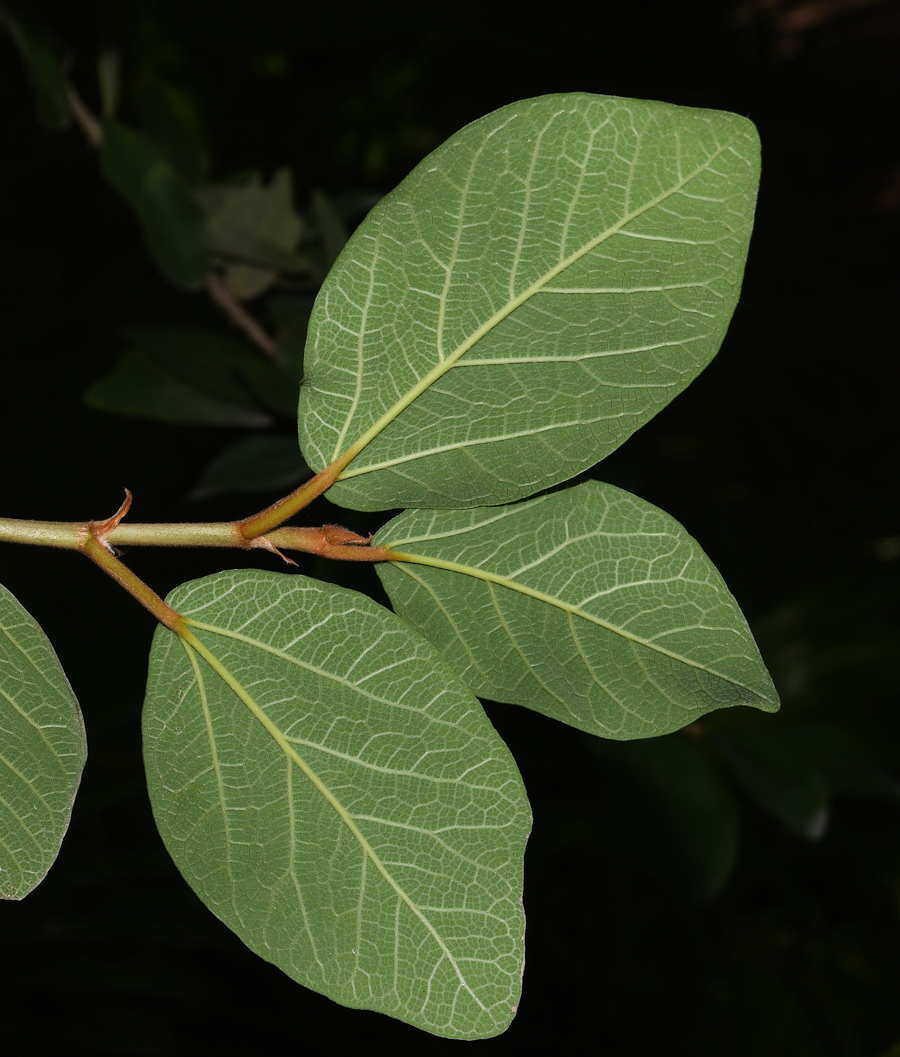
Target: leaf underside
339,799
536,290
589,605
42,751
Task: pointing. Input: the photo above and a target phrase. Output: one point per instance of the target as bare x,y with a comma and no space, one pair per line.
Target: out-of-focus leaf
126,158
849,768
174,227
165,125
777,776
290,356
675,813
838,641
42,751
42,68
289,311
289,316
253,464
220,365
332,229
173,224
139,387
257,227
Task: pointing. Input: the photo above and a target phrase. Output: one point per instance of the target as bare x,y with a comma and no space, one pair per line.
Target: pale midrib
441,368
217,769
342,813
301,902
524,531
448,271
497,438
558,603
359,358
306,666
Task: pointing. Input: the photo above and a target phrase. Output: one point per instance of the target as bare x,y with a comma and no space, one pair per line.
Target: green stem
327,541
41,533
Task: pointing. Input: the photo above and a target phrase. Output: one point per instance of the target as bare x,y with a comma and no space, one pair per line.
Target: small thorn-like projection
268,545
100,530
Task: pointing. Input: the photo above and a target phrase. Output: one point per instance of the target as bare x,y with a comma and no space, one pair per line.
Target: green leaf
589,605
42,751
253,464
173,224
675,812
338,798
256,225
537,289
139,387
42,67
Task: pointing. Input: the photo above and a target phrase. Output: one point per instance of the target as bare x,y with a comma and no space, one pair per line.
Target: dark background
781,460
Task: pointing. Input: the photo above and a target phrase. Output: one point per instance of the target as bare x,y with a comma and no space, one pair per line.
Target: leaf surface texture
589,605
537,288
42,751
336,796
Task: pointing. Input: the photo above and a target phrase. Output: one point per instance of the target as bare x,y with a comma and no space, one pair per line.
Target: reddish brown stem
266,520
328,541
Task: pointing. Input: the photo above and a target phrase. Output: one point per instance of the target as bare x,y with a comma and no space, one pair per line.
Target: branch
92,542
223,297
89,124
327,541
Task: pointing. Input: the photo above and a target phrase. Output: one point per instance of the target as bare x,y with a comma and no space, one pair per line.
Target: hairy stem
327,541
301,497
91,546
259,531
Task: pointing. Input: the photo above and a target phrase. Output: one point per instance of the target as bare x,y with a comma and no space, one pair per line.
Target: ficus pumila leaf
336,796
588,604
42,751
530,295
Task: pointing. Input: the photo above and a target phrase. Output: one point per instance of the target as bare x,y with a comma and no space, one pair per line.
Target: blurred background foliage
175,180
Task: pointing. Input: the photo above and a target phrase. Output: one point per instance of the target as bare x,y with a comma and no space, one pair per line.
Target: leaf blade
348,797
588,605
505,318
42,751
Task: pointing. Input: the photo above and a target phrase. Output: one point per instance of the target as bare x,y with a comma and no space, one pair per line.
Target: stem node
100,530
